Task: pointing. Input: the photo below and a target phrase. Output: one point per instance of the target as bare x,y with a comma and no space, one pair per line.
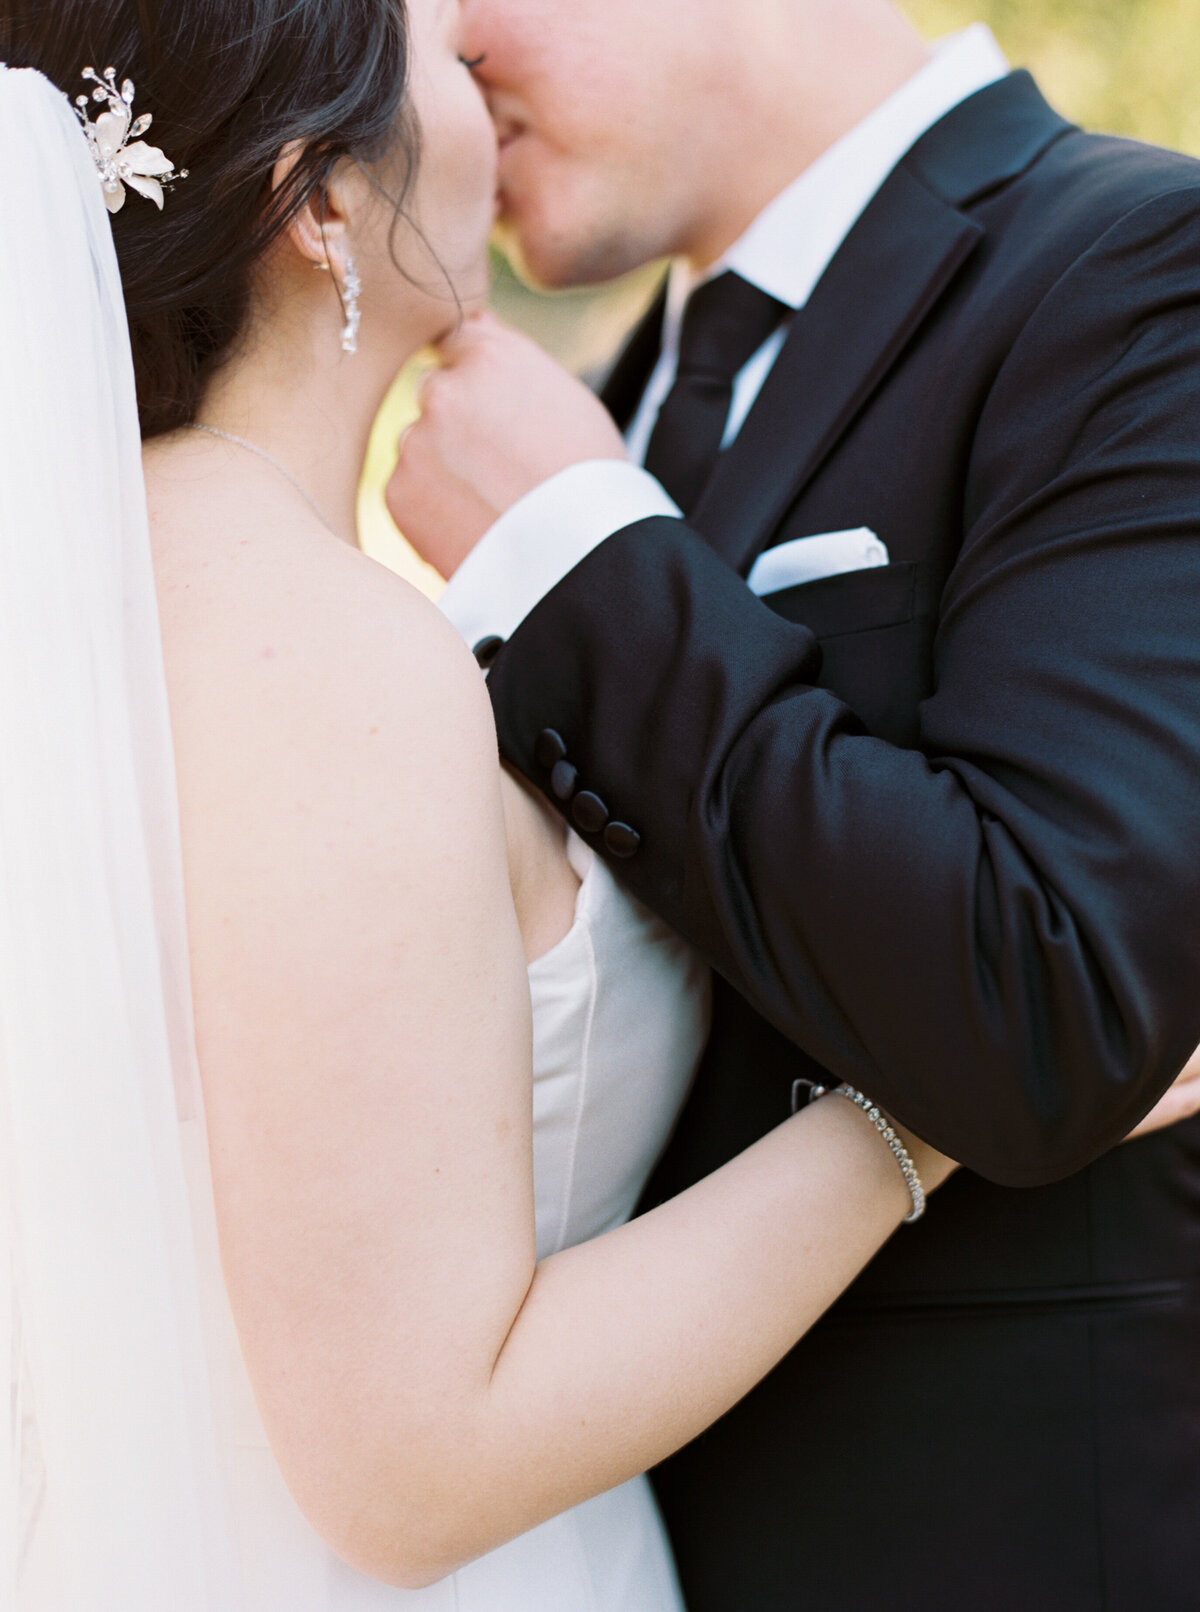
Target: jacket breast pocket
852,601
875,628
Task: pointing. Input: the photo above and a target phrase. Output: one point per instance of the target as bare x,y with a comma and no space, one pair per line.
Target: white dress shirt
785,252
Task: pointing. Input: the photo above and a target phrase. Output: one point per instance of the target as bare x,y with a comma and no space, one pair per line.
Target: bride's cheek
456,182
479,159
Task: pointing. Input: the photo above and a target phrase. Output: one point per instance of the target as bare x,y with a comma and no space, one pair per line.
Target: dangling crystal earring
351,294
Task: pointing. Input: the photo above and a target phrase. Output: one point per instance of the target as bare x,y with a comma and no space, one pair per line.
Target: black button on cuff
589,811
563,780
622,841
487,649
549,749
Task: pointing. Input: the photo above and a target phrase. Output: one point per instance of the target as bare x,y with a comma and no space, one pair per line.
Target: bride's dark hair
230,84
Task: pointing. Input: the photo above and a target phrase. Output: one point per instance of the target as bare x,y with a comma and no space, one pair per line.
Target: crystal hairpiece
118,162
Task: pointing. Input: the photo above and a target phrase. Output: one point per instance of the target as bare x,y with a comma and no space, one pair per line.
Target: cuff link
486,650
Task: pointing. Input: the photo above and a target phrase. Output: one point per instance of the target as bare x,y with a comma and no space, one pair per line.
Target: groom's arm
996,933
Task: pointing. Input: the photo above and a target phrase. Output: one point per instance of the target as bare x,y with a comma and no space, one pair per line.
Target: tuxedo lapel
894,266
622,392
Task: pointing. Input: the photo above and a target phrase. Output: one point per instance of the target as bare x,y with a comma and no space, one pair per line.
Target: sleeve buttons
589,811
549,749
563,779
622,841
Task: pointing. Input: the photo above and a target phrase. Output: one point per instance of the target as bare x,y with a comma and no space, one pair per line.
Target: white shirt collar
793,240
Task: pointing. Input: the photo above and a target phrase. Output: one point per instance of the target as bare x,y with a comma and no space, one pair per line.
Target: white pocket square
805,559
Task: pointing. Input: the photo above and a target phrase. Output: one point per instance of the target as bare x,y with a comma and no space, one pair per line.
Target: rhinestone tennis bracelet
912,1177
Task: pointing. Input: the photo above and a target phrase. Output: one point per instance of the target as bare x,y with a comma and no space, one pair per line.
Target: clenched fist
498,418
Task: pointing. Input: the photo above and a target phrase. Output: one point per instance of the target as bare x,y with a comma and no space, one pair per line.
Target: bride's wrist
934,1167
915,1168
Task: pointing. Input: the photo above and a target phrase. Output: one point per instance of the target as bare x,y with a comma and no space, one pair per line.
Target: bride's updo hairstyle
230,83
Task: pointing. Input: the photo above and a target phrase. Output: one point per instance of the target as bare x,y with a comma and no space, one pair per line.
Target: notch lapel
896,263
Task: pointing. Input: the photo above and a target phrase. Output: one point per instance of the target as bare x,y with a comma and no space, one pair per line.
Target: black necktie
725,322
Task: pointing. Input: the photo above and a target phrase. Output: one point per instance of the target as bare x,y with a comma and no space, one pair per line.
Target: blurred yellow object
377,534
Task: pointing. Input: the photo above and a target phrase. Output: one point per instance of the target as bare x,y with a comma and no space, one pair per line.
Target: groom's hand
498,418
1180,1102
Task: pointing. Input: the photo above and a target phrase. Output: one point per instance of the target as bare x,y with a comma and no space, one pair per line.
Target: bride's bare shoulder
281,639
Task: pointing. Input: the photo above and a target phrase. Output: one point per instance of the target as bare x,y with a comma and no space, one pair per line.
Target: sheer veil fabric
112,1495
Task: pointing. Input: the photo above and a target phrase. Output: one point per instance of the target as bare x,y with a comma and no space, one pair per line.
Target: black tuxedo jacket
937,826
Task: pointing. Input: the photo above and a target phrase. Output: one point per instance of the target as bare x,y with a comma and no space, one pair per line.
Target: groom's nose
486,46
508,39
478,27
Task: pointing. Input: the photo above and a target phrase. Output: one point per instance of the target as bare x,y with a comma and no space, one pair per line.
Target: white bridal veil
111,1498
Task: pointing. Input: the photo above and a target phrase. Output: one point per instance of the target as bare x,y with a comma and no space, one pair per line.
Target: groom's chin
537,269
547,260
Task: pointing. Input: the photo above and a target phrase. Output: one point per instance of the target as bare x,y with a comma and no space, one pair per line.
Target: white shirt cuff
542,538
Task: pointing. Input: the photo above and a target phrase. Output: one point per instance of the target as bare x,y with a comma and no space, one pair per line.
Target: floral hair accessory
118,162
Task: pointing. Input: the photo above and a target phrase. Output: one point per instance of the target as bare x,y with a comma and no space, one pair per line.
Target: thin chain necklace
250,447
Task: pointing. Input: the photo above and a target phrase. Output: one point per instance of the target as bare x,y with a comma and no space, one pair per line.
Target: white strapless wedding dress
620,1014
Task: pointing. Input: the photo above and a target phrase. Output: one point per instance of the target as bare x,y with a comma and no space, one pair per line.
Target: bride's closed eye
472,65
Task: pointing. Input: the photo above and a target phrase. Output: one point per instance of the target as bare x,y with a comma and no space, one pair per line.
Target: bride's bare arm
364,1029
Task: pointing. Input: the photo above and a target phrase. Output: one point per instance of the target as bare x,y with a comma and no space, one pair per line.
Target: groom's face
602,156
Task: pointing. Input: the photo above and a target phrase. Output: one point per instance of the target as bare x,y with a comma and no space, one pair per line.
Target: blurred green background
1123,66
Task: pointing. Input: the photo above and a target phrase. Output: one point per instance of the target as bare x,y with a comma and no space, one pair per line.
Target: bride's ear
318,231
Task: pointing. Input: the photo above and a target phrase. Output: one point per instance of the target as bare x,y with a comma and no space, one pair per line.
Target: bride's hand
498,418
1181,1101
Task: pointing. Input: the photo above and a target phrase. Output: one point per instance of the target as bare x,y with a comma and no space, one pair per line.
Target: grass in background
1121,66
1124,66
